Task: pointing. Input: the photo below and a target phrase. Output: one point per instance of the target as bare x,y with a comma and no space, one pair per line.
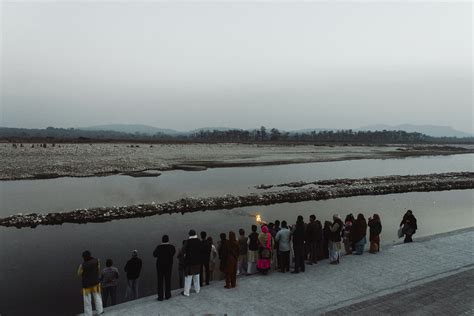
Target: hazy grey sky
188,65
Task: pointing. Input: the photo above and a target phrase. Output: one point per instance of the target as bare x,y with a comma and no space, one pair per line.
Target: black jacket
409,220
336,235
164,255
206,247
314,230
298,234
253,241
133,268
375,227
192,252
90,273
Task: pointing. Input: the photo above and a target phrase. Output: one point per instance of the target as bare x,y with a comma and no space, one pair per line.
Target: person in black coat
192,263
409,226
164,255
133,267
298,235
314,231
205,258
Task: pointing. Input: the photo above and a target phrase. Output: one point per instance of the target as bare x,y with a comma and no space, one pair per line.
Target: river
38,265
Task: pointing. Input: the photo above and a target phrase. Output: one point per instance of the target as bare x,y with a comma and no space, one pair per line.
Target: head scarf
269,236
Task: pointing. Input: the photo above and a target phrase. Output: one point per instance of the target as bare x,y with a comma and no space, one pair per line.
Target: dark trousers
164,278
408,238
109,291
181,276
284,261
299,258
204,269
313,251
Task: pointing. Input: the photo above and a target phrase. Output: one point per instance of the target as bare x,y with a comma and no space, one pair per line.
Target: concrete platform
451,295
324,288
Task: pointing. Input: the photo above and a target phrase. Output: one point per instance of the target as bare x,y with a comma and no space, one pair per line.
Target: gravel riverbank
32,161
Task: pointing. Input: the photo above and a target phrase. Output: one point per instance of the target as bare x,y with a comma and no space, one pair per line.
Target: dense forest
261,135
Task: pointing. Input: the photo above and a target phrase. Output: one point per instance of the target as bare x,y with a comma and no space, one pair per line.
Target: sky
185,65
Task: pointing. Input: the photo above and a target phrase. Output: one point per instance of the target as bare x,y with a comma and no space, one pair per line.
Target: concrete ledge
323,287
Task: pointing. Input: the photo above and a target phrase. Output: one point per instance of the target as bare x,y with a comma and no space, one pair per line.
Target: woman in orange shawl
265,251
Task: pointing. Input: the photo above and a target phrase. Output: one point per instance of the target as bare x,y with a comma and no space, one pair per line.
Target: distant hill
430,130
132,129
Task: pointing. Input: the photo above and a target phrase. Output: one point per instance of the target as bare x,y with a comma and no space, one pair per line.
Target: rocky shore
93,160
317,190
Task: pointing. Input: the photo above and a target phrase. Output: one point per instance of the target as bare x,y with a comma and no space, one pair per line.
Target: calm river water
38,265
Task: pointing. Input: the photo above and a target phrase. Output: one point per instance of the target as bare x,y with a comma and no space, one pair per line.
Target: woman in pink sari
265,250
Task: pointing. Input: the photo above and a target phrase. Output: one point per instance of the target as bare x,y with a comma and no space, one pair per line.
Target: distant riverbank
48,161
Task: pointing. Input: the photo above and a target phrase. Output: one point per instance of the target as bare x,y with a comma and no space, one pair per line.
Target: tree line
259,135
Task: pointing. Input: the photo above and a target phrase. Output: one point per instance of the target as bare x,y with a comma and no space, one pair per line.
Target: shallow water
66,194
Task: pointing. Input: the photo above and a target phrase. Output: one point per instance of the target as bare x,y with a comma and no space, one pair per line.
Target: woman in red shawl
265,253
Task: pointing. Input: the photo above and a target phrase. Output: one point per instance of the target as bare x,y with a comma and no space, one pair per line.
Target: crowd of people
276,247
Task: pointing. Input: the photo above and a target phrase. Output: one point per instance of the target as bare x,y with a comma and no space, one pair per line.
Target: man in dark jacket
89,272
192,262
298,235
164,255
314,231
205,257
133,267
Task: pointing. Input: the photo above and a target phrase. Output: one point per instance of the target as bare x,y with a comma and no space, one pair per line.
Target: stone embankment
320,190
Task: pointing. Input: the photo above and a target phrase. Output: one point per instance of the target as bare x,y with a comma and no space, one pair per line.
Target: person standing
350,218
359,233
252,254
133,267
283,238
222,254
276,252
242,264
326,239
298,236
180,258
334,244
89,272
375,228
346,235
205,254
409,226
212,259
192,261
265,250
109,280
230,253
313,236
164,255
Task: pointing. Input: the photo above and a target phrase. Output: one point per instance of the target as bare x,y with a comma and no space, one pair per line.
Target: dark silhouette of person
164,254
205,258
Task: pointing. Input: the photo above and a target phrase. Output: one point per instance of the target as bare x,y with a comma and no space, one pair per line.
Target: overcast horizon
190,65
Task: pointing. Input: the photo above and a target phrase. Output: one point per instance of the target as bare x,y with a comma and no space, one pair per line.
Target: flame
258,218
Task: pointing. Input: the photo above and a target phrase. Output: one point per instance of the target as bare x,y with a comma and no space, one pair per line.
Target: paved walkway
451,295
323,287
